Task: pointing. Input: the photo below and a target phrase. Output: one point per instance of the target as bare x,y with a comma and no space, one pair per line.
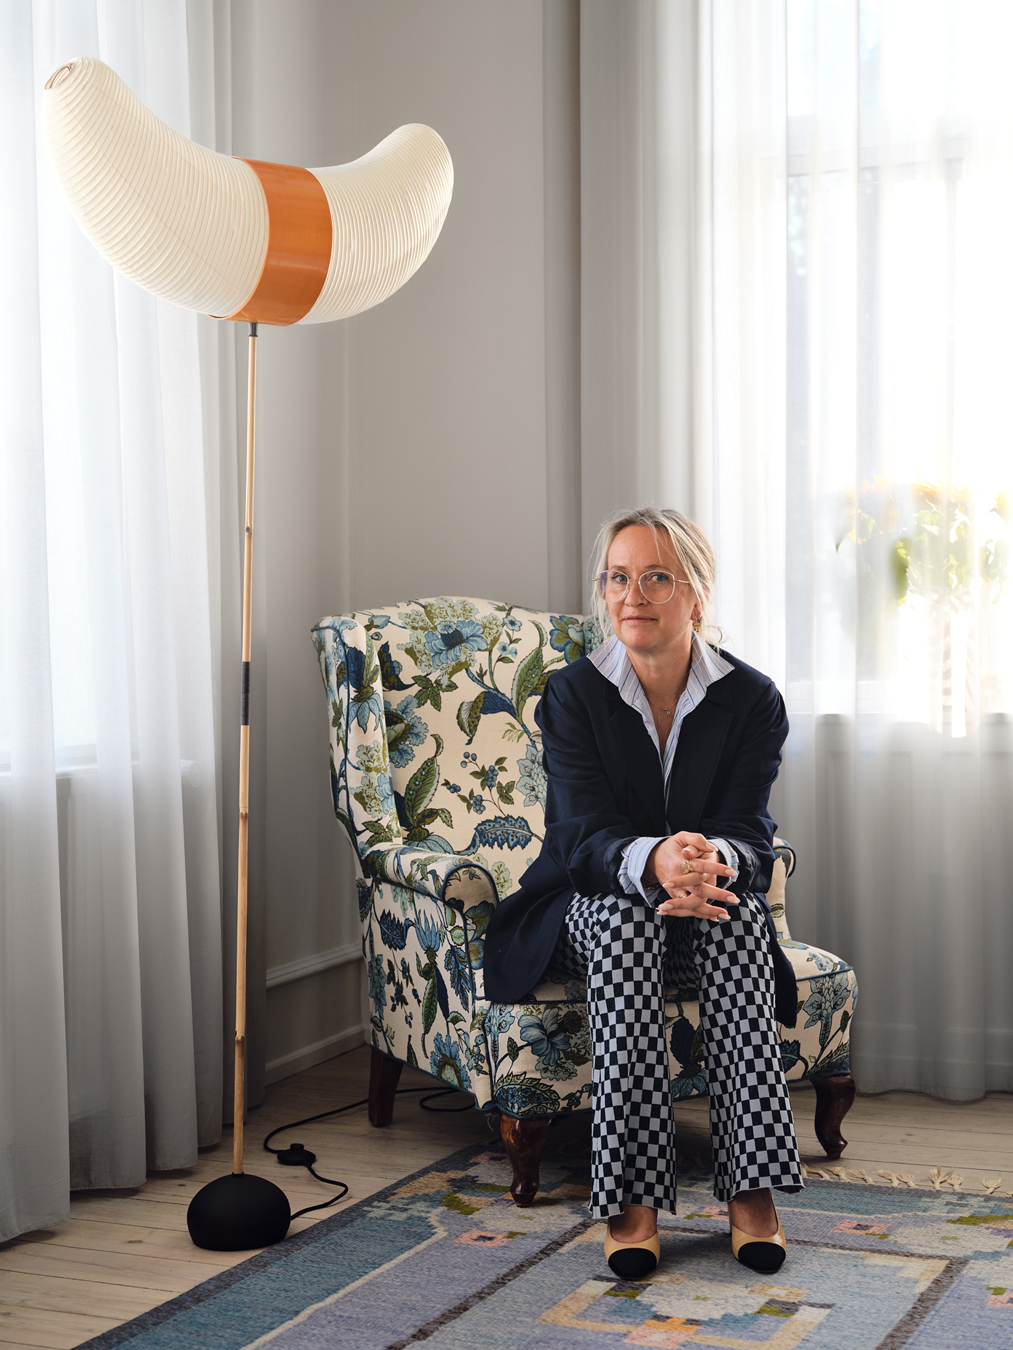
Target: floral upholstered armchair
437,778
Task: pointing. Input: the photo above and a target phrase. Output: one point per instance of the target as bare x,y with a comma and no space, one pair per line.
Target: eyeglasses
655,586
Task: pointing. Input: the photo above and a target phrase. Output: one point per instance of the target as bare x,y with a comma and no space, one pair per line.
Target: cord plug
296,1156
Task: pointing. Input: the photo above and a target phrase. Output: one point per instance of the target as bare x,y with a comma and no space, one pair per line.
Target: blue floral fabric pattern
437,778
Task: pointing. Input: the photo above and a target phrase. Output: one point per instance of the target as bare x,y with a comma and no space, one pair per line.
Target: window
899,289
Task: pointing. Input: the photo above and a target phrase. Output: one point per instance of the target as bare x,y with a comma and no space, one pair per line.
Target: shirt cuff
631,869
728,856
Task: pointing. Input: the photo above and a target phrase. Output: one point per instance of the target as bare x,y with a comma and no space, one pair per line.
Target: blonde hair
692,548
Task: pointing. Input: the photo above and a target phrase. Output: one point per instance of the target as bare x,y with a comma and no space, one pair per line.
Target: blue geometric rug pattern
446,1260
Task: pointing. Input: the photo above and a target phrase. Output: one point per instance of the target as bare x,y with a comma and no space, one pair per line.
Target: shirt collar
707,665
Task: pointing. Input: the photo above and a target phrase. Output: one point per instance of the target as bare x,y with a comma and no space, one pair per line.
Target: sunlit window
900,216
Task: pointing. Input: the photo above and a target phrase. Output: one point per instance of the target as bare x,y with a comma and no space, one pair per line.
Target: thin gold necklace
670,712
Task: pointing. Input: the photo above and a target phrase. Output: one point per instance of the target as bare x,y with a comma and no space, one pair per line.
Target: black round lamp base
234,1213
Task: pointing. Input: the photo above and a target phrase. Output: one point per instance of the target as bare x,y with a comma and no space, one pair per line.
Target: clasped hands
687,867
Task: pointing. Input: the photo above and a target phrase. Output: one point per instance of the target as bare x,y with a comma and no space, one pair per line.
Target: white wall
418,449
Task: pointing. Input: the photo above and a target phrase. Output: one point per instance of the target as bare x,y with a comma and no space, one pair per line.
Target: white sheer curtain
826,232
110,917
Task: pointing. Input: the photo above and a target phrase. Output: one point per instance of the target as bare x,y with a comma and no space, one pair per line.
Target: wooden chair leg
524,1141
384,1073
835,1094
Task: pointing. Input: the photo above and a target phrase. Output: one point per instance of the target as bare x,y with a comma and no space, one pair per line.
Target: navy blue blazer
606,788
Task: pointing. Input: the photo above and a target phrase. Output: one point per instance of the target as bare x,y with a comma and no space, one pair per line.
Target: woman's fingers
712,895
690,839
686,857
716,893
692,907
701,901
700,870
712,864
695,881
705,860
688,863
719,896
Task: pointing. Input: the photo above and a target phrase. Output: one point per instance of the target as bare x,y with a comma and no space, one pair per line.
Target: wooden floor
123,1252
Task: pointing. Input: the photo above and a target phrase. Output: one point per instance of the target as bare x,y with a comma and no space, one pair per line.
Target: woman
660,752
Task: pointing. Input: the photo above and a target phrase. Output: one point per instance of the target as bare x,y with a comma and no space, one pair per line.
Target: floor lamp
260,243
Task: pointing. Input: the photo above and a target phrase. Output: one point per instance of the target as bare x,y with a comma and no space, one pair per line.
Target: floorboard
123,1252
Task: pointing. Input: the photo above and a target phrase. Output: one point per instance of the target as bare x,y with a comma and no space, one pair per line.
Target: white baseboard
313,965
308,1055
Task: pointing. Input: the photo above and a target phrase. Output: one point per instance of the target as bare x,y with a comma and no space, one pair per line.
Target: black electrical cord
298,1156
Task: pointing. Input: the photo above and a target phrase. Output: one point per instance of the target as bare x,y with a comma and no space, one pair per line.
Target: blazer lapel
701,741
639,756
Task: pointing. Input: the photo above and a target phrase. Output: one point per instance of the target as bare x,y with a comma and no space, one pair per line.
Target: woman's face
638,624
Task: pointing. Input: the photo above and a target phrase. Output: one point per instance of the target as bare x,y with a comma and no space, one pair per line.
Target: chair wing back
433,737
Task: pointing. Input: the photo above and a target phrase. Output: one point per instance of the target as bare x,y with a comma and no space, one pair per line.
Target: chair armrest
456,882
784,865
450,878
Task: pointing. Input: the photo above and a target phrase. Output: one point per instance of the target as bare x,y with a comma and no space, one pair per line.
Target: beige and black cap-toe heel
764,1255
631,1260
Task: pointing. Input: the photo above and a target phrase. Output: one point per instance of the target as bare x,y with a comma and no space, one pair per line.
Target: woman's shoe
631,1260
764,1255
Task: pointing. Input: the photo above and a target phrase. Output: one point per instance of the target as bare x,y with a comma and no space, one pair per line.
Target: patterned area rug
444,1258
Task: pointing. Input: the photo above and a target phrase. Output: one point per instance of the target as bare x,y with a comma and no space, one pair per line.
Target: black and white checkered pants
628,953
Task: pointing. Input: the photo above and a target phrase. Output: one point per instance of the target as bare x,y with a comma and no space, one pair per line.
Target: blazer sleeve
736,808
585,829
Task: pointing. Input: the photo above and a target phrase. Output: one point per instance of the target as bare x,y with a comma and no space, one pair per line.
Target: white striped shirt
705,667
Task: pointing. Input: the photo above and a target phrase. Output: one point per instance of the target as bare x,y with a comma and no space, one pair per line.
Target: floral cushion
436,776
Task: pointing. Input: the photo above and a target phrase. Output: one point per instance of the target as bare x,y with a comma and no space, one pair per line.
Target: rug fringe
939,1177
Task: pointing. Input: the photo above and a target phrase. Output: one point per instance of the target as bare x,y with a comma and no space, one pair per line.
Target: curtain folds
795,283
110,911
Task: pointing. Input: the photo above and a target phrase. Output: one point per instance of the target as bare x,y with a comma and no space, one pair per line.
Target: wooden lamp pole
239,1211
242,908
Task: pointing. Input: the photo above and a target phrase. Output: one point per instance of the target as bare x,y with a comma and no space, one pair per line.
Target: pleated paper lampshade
234,238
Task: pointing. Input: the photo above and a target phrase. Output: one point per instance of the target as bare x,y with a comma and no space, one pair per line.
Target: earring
696,625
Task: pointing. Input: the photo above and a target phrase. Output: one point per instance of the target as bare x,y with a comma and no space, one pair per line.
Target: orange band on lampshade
298,245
